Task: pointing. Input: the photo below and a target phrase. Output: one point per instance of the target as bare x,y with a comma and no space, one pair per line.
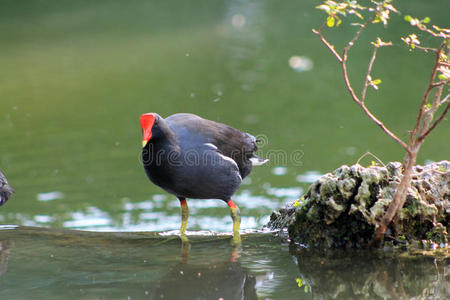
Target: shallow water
38,263
75,77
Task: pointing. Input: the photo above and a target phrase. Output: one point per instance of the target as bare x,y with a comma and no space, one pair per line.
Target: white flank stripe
229,159
211,145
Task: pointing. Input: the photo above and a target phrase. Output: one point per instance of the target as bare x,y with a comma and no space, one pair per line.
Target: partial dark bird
191,157
5,189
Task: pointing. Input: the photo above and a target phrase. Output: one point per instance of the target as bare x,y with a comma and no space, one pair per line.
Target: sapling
435,102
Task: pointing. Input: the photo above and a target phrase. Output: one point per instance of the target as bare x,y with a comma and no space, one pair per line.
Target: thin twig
367,111
445,99
440,83
437,121
369,71
426,49
429,113
342,61
435,34
370,153
425,97
331,47
357,34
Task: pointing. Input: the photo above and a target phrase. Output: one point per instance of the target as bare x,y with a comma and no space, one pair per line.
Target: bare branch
440,83
427,93
383,127
429,113
357,34
369,71
331,47
445,99
435,34
435,123
342,60
426,49
367,111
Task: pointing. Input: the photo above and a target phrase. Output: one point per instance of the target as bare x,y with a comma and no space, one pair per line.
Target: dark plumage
191,157
5,189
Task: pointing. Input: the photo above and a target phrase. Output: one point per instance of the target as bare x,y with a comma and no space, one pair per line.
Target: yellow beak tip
144,143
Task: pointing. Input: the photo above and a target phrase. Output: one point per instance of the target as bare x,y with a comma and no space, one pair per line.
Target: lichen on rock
342,208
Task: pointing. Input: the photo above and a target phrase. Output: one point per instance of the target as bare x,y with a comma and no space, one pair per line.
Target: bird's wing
229,141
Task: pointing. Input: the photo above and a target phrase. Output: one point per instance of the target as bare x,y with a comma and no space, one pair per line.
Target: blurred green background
76,75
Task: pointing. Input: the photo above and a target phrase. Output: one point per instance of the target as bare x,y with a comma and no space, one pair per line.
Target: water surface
38,263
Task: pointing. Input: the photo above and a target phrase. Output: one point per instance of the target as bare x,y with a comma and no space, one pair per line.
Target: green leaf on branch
335,10
376,81
426,20
373,83
330,21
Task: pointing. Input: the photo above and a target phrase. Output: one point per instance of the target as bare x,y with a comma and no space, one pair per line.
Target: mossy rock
342,208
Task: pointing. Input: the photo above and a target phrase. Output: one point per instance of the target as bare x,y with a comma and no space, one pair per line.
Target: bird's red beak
147,121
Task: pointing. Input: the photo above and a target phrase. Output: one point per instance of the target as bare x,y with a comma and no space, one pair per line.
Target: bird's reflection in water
236,244
219,280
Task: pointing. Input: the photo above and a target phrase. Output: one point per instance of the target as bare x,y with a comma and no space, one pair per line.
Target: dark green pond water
50,264
75,77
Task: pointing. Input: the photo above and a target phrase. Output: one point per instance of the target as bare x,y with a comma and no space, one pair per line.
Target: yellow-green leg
184,219
236,216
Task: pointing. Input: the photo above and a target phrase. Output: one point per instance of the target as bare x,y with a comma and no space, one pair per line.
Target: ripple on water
161,213
309,177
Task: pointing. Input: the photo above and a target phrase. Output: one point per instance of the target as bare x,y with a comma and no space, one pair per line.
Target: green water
49,264
76,75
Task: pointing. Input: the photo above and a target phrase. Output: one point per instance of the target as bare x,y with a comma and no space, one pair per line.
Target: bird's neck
167,138
160,150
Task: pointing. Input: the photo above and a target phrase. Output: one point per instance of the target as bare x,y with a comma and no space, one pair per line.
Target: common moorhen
5,189
191,157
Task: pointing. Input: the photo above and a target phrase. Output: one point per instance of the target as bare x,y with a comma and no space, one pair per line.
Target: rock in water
342,208
5,190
